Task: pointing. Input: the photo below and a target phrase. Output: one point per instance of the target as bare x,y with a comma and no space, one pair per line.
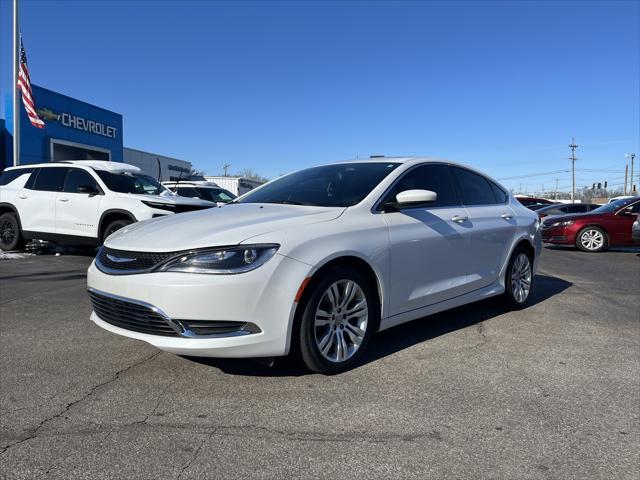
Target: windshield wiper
291,202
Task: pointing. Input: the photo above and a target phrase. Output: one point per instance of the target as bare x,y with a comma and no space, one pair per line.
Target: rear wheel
591,239
114,227
518,279
10,234
338,321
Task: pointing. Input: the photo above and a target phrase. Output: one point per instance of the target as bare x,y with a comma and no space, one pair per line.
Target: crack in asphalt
68,406
195,454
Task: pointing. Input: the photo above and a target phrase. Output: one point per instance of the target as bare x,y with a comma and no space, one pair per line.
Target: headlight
159,205
565,223
221,261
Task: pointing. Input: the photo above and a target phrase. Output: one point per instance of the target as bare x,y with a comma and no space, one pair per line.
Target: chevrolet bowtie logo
119,259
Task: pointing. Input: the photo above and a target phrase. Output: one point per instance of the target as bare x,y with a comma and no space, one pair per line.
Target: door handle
506,216
23,197
63,199
459,218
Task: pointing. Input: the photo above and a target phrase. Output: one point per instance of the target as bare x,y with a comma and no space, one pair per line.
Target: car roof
94,164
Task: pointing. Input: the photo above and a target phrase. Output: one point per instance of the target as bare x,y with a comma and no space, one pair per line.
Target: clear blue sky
276,86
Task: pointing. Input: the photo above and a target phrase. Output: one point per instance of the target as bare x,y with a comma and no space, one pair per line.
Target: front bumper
264,297
557,235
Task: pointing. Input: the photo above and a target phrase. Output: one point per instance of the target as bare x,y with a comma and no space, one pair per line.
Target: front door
429,244
78,213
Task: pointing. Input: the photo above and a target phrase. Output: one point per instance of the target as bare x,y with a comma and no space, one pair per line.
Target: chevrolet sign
77,122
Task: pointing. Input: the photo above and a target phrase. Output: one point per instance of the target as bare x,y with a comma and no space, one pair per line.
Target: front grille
130,316
125,261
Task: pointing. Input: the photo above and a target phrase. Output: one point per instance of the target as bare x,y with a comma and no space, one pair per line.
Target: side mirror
411,198
90,189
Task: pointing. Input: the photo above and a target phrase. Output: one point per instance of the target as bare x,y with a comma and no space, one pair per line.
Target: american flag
24,84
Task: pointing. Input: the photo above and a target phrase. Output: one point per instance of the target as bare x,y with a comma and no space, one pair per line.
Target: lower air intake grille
130,316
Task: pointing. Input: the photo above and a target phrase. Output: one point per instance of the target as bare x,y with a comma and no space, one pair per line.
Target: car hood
574,216
227,225
168,199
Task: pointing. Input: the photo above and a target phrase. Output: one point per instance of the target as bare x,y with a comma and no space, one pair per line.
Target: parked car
623,197
533,201
316,261
204,190
564,208
80,202
605,226
635,231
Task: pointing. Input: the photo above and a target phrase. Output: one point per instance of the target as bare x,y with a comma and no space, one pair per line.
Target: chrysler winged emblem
119,259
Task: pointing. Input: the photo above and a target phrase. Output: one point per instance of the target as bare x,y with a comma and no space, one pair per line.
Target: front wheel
338,321
114,227
518,279
10,235
591,239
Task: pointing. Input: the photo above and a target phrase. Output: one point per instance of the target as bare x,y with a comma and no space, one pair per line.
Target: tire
591,239
115,226
518,279
10,234
331,342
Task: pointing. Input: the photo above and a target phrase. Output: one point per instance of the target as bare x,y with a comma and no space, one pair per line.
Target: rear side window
9,176
78,178
187,192
427,177
576,208
499,193
474,188
50,179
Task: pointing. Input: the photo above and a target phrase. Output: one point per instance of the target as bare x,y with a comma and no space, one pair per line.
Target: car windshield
127,182
613,206
216,194
339,185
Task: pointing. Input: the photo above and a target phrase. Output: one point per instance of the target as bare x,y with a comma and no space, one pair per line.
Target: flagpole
16,98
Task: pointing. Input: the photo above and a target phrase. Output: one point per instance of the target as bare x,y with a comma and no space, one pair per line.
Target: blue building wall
35,142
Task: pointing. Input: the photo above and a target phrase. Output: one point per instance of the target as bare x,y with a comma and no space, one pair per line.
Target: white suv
80,202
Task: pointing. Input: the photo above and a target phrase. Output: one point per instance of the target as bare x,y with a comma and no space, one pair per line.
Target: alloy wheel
592,239
521,278
341,320
7,233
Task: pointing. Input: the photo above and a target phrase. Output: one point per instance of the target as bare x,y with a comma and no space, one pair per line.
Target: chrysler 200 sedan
314,262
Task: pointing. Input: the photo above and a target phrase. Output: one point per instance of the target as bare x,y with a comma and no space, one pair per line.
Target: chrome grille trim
137,312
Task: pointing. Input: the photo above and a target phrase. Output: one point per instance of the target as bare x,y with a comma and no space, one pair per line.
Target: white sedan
314,262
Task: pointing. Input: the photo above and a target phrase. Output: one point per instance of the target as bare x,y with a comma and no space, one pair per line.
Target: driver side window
433,177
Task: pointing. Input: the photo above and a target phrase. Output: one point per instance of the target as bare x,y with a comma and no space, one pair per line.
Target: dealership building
76,130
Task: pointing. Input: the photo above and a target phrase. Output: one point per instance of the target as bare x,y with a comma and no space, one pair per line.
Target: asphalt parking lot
552,391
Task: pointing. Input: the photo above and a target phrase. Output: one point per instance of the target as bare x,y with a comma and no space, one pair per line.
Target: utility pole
225,168
632,156
556,188
16,97
573,159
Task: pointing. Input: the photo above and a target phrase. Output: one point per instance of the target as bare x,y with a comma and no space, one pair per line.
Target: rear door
429,244
78,213
491,222
36,202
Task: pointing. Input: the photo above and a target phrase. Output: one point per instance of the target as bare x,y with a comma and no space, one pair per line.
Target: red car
594,231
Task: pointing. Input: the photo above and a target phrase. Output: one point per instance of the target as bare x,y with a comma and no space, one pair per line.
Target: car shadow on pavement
397,338
625,249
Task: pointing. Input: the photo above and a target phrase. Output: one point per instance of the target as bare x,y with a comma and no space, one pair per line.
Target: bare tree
251,175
